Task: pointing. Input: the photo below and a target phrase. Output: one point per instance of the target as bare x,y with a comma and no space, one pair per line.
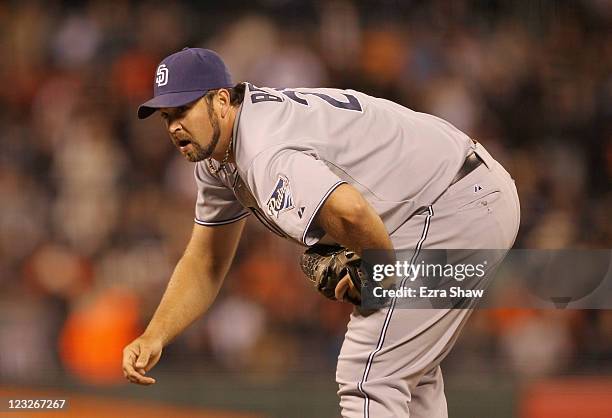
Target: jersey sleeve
215,203
290,187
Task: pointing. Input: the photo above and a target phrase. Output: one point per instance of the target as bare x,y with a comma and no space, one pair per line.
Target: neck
224,150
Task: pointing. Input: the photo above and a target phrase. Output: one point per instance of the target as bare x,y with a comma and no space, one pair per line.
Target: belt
470,164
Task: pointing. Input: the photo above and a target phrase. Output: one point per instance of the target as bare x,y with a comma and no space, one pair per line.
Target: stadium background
96,206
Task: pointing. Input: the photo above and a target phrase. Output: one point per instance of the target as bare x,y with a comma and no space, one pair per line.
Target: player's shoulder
262,122
273,119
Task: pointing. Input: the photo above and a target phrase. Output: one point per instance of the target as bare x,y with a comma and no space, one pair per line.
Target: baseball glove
326,265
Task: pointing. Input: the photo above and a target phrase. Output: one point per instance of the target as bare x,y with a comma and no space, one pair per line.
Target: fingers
133,357
143,358
342,287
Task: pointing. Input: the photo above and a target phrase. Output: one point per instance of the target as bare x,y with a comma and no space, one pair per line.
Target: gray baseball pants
389,364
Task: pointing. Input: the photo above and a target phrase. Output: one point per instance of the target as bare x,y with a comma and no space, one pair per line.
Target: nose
174,126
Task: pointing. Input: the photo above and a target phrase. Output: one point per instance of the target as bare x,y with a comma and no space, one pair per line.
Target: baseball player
326,166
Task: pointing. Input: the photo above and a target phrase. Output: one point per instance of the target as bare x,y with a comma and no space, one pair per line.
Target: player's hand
345,288
139,357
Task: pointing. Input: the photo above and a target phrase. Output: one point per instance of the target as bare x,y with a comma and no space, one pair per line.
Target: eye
163,115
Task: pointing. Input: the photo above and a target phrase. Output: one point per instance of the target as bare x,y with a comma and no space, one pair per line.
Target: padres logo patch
161,76
281,198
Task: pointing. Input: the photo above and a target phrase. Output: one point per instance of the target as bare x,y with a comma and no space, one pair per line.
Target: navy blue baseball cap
184,77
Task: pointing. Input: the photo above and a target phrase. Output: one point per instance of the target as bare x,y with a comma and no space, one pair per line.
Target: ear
224,102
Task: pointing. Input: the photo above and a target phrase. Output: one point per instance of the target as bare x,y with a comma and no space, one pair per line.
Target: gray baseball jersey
293,147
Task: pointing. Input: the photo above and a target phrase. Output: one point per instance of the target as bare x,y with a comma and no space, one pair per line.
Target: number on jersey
258,95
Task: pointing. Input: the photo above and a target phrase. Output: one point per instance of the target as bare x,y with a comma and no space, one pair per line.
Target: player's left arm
307,200
348,218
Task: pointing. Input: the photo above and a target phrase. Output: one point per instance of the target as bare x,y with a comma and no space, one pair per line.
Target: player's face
193,128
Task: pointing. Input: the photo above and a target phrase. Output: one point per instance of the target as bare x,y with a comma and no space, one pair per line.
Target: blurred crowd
96,206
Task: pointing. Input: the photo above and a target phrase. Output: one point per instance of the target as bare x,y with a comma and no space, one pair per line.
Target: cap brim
168,100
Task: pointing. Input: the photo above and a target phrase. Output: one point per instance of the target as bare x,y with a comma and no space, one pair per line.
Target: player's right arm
192,288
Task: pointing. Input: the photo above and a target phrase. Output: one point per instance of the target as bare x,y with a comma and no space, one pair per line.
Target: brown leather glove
327,265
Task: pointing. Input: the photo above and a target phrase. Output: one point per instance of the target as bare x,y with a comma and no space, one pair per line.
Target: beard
199,153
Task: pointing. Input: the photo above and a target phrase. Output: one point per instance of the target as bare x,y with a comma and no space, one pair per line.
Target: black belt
470,164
